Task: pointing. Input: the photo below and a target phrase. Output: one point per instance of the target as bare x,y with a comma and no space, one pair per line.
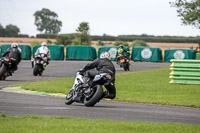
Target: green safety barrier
56,51
150,54
185,71
112,50
25,50
80,53
179,54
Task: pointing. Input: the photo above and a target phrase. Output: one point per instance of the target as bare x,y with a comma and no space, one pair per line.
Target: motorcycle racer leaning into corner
102,65
15,55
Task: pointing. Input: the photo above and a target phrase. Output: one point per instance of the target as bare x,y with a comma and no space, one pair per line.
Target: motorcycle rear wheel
125,66
69,98
96,96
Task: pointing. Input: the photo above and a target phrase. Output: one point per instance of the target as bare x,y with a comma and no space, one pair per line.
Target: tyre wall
179,54
56,51
150,54
80,53
185,71
111,49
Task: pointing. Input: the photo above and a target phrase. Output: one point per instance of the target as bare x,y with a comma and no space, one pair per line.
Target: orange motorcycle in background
125,63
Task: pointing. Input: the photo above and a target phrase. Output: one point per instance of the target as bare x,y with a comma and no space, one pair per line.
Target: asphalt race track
26,104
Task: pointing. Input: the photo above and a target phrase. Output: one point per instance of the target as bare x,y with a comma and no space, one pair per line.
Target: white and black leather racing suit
102,65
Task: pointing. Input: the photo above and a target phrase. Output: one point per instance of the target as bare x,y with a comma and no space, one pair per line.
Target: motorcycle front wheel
36,70
95,97
2,72
69,98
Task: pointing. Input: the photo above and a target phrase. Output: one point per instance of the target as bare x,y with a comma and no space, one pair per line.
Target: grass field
46,124
150,86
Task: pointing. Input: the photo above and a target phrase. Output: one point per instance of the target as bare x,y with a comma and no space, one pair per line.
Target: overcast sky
111,17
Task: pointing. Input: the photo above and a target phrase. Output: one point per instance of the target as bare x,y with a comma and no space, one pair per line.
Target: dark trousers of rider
112,91
110,88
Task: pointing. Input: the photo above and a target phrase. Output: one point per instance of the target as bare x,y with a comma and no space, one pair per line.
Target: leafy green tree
83,28
2,31
47,21
63,40
139,43
117,43
12,31
83,36
189,11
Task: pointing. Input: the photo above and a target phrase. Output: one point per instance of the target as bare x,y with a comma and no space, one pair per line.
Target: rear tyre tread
96,97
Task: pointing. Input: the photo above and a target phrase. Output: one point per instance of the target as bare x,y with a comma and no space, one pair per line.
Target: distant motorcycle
124,62
39,64
5,67
90,95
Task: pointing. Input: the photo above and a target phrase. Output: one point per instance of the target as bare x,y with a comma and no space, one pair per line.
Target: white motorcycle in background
39,64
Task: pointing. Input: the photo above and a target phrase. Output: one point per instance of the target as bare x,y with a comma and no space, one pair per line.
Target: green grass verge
47,124
150,86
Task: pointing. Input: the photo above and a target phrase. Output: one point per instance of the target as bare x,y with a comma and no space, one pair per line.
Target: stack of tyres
185,71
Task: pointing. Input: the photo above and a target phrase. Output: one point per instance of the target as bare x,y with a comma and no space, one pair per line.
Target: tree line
147,38
130,38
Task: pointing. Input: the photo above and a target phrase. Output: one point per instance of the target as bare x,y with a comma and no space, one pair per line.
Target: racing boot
105,94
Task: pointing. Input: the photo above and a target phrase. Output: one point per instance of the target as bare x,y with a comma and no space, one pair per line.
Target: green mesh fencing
56,51
146,54
185,71
25,49
111,49
80,53
179,54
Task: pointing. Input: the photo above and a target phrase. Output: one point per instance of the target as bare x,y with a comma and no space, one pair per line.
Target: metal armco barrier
185,71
